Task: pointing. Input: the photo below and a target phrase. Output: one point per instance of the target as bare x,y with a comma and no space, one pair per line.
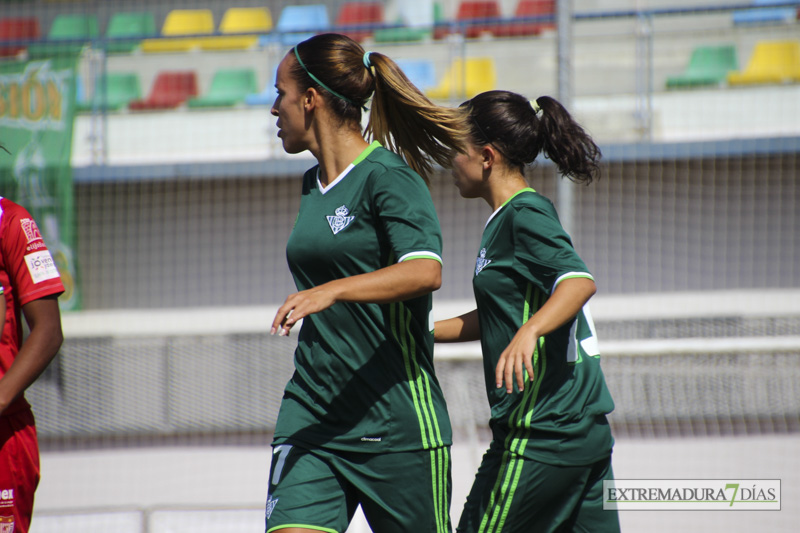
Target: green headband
334,93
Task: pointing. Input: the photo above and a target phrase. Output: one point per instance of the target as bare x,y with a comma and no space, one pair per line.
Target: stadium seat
239,28
466,79
228,88
170,89
478,17
126,30
121,88
298,23
193,22
708,65
401,33
525,11
266,96
771,62
73,30
17,29
766,15
420,72
357,19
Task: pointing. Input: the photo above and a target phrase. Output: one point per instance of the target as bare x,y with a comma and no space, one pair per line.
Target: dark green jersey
560,416
364,378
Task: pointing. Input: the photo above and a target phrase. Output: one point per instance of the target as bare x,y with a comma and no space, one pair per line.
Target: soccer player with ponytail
551,445
363,420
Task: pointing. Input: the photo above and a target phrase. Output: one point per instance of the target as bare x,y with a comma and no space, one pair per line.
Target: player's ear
311,99
488,156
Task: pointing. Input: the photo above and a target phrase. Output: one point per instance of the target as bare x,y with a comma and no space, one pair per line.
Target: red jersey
27,273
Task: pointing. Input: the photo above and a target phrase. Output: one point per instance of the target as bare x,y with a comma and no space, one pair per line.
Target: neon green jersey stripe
419,381
517,440
393,308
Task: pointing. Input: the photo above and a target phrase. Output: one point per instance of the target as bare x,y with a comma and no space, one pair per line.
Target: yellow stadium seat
465,80
771,62
181,22
239,26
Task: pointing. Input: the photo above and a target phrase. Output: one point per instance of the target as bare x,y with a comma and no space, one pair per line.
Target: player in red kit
30,286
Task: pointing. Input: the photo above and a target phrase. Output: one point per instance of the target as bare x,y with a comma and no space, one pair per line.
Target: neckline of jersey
526,189
362,156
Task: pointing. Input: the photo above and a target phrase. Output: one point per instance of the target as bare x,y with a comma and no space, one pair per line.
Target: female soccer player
551,445
29,289
363,419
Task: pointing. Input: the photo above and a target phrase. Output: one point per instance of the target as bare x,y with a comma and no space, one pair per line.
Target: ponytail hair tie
366,60
536,107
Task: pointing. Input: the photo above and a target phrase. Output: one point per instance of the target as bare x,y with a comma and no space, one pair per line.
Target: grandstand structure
184,200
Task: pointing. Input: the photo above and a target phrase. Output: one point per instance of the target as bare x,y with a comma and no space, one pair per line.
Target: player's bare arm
394,283
565,302
462,328
41,346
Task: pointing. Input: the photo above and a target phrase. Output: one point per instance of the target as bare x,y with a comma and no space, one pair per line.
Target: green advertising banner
37,103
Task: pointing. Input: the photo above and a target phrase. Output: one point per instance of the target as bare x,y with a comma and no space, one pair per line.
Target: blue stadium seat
266,96
420,71
769,15
298,23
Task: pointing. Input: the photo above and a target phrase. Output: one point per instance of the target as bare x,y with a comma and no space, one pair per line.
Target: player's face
289,109
468,172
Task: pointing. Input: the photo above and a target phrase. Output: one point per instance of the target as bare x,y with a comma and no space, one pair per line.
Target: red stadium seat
17,29
530,8
171,89
480,16
358,15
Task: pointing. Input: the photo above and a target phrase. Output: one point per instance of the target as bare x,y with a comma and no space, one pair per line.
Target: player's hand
299,305
515,357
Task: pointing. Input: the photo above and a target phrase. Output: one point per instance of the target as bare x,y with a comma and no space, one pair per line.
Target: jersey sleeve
544,249
405,209
30,267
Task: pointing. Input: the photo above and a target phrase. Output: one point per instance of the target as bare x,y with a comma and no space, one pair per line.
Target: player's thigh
19,470
590,517
406,491
307,492
513,494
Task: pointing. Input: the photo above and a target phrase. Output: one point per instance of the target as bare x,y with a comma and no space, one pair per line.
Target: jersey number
281,451
582,333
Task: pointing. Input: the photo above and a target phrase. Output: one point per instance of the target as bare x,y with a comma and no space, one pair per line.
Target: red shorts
19,470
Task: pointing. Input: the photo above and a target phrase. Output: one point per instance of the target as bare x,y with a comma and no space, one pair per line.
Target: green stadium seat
228,88
121,88
708,65
401,34
73,30
771,62
126,30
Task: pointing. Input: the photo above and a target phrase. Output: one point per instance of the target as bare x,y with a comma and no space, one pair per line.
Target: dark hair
401,117
508,121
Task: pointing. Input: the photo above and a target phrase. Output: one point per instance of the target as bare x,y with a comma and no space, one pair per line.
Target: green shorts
321,489
517,495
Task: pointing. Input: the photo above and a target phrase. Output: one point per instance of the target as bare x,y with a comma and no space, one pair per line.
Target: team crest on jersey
31,230
271,503
481,261
340,220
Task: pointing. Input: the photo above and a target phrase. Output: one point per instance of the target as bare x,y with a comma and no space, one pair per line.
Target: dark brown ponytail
521,131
